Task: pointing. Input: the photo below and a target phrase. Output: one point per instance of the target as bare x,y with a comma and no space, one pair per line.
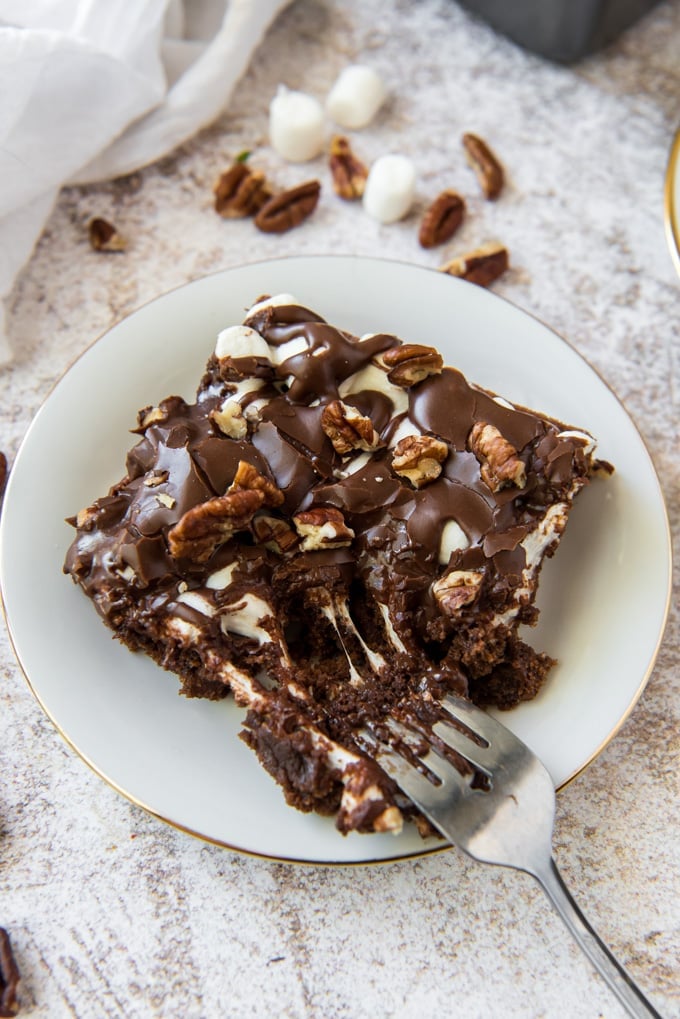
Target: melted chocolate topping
184,459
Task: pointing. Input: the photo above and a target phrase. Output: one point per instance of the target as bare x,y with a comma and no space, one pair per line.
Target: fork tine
454,784
479,757
491,731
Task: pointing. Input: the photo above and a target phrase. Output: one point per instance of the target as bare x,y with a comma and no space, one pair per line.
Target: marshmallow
296,125
390,188
241,341
356,97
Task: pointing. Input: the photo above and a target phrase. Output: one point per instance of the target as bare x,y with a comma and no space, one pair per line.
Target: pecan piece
204,527
349,173
240,191
9,978
322,527
410,363
442,219
248,478
347,428
456,589
500,465
274,533
482,266
150,416
104,236
485,164
419,458
288,209
229,419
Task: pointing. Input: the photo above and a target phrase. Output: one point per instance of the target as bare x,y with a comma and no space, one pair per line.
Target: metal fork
497,804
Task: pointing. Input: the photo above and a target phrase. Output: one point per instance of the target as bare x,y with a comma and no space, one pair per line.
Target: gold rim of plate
671,204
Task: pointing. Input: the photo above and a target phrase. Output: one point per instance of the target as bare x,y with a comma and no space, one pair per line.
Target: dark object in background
562,30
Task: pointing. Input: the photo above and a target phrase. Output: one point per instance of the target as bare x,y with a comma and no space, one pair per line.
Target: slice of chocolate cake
337,531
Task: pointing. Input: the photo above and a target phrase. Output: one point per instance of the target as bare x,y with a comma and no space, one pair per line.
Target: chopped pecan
209,524
3,474
229,419
288,209
442,219
274,533
322,527
156,478
457,589
419,458
240,191
347,428
9,978
104,236
485,164
482,266
499,463
410,363
150,416
349,173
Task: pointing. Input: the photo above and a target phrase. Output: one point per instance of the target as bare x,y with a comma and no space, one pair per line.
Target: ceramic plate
672,202
604,597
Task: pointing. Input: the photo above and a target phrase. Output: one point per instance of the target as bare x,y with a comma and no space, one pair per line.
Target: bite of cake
337,531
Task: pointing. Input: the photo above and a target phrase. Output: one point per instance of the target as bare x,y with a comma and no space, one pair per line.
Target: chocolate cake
337,531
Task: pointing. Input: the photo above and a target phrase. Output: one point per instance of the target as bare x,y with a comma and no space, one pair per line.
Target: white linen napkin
91,90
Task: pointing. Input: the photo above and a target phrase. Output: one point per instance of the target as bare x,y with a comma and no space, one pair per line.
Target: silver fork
500,810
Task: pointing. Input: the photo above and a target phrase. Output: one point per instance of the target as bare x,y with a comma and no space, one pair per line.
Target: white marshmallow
241,341
356,97
390,188
296,125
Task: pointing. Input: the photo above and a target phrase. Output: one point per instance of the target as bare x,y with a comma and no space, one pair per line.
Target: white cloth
93,89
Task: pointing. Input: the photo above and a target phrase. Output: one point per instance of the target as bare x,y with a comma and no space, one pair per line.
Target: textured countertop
111,912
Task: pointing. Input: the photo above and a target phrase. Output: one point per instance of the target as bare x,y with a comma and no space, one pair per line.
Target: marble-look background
114,914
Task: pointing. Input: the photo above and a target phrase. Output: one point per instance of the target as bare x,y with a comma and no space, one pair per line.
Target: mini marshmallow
356,97
296,125
241,341
390,188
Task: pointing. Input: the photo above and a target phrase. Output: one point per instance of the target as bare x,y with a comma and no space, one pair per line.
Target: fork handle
623,986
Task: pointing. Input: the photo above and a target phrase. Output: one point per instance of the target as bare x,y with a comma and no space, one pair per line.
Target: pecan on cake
337,531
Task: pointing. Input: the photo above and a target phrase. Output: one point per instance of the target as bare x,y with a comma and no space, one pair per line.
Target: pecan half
457,589
442,219
322,527
204,527
9,978
249,478
410,363
500,465
348,429
349,173
485,164
240,191
104,236
288,209
482,266
419,458
3,474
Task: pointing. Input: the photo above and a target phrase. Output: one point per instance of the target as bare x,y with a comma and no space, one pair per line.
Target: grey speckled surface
114,914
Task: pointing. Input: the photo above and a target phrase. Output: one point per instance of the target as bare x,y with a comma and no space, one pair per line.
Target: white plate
604,597
672,201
